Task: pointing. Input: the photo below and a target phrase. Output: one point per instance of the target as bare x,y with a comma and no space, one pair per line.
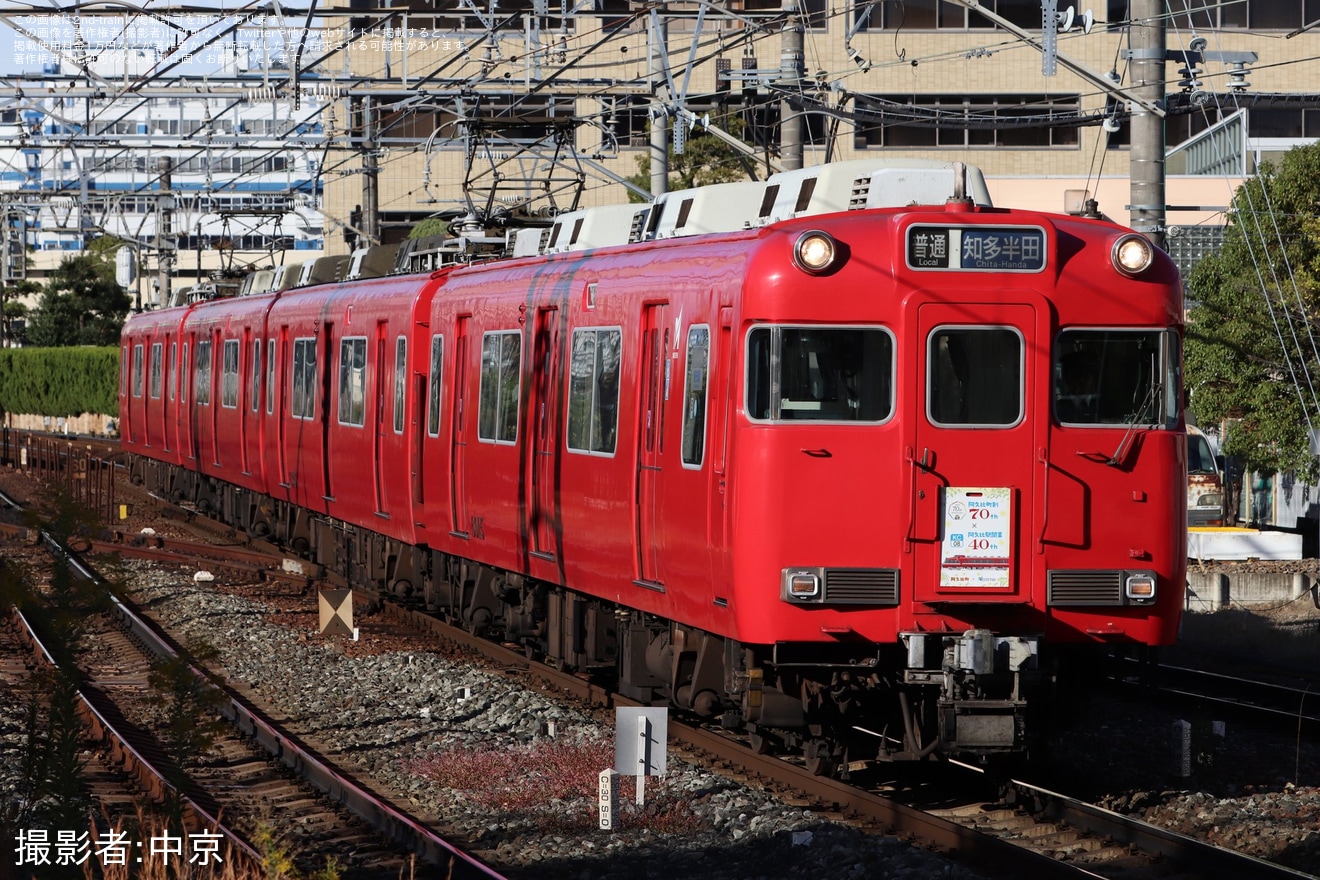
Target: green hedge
60,381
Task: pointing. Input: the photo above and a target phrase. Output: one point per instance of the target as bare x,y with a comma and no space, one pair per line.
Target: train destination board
976,248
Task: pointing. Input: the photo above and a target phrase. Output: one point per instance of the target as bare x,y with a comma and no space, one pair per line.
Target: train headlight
801,584
815,252
1133,254
1141,588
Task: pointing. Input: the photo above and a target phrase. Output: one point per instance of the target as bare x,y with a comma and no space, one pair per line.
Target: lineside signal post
640,735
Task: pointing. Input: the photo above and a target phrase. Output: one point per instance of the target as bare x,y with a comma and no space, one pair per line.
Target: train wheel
759,744
819,756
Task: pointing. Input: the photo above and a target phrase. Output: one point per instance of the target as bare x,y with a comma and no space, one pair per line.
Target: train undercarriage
969,694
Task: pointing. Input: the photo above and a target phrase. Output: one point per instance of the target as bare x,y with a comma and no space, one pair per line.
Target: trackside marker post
609,798
639,744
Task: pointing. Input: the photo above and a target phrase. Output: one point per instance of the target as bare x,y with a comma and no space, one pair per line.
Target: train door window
203,382
229,375
270,376
593,391
974,377
157,375
254,391
183,371
353,381
137,370
433,402
694,394
400,380
173,378
123,372
1117,377
830,374
303,397
501,376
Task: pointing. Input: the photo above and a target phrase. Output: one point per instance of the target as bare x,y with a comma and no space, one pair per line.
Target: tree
1252,352
705,160
82,304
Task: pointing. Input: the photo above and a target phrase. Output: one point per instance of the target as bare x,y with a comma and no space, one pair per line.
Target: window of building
353,381
834,374
696,383
433,397
400,380
933,14
303,396
501,376
157,374
229,375
593,390
974,377
963,121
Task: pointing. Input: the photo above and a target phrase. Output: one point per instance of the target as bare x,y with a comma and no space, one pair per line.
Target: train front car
960,478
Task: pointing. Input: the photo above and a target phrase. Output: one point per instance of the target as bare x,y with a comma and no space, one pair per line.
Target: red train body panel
722,469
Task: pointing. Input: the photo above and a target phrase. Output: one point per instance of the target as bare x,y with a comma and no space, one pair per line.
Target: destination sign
976,248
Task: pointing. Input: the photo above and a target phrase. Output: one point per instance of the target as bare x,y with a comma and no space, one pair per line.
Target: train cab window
270,376
433,395
303,388
254,391
157,379
137,370
593,391
696,380
353,381
203,366
974,377
1117,377
824,374
400,380
501,374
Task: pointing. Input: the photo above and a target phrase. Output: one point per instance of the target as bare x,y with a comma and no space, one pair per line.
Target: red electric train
848,457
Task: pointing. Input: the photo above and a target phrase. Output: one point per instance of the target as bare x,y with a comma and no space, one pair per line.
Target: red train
847,457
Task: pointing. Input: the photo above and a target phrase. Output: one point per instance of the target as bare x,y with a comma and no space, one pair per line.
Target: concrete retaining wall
1213,590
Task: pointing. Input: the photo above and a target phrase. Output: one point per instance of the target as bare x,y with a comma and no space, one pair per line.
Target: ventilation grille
861,191
638,226
1086,587
861,586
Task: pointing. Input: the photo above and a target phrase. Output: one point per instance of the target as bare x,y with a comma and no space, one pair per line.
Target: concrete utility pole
659,41
1148,35
790,79
370,177
164,249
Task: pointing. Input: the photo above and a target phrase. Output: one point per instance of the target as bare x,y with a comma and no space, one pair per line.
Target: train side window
303,394
817,373
173,379
203,367
255,390
400,380
593,391
1117,377
353,381
433,404
974,376
694,394
229,375
137,370
501,377
270,376
157,376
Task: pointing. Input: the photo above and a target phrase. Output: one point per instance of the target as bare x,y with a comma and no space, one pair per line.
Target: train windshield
1117,377
831,374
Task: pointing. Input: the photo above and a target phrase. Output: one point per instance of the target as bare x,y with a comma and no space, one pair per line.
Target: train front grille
861,586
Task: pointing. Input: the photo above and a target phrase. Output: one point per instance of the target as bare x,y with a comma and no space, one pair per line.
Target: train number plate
976,248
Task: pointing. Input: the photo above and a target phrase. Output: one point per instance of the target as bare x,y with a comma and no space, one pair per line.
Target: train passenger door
653,389
544,448
971,460
383,372
459,433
